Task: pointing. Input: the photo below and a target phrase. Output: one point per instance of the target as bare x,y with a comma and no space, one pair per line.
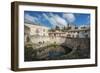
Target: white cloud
51,14
54,19
50,19
46,17
30,19
60,21
88,17
70,17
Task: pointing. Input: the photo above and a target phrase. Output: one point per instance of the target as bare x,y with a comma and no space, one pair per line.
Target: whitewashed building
37,33
40,34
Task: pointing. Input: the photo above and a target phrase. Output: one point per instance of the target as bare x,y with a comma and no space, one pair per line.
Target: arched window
37,30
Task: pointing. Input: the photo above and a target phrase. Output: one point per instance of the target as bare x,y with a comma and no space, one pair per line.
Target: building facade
41,34
38,34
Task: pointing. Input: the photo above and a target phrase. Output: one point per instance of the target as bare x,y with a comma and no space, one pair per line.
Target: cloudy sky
52,19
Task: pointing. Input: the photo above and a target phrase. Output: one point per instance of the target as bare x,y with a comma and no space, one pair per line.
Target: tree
51,30
57,28
63,29
76,27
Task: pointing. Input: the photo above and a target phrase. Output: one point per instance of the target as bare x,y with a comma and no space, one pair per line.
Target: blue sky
52,19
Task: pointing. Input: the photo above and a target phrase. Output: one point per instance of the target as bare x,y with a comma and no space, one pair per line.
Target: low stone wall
81,43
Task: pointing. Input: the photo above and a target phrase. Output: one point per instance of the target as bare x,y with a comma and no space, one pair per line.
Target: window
68,35
37,30
43,30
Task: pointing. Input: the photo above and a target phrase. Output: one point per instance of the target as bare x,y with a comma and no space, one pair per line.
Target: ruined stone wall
72,42
82,43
